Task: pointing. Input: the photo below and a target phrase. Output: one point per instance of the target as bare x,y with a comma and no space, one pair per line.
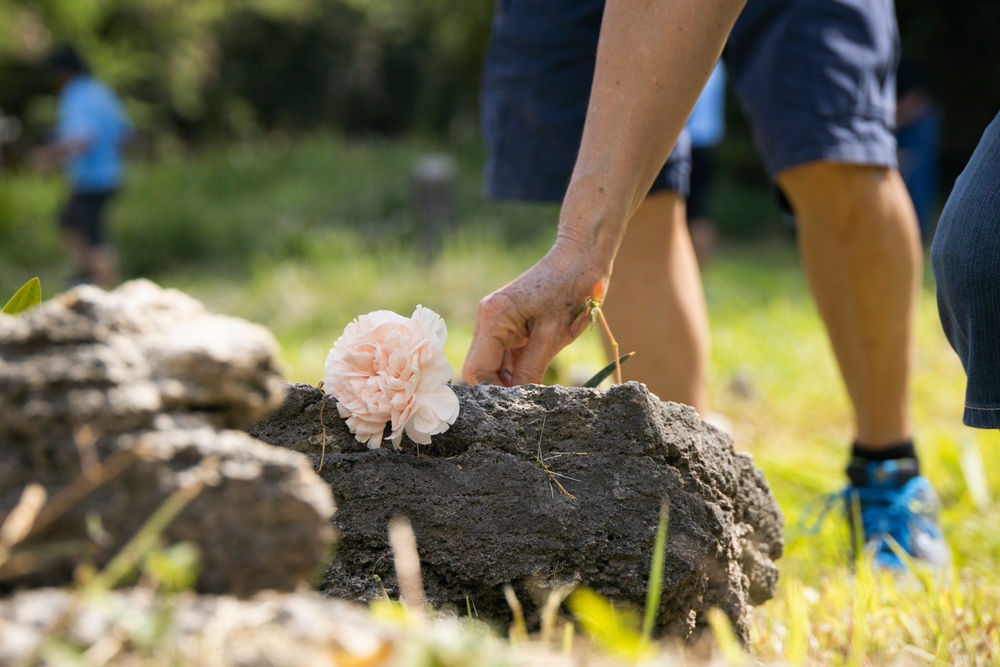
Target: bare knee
844,196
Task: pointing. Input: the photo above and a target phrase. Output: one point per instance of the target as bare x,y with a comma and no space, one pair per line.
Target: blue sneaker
896,505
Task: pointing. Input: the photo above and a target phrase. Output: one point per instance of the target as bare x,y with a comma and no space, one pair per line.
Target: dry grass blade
146,538
86,447
407,561
519,630
322,404
25,561
69,496
550,611
125,560
35,512
552,476
18,524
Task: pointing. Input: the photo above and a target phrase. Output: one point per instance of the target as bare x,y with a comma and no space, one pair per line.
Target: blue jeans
965,256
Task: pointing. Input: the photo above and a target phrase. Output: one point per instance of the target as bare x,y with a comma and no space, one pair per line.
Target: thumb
484,360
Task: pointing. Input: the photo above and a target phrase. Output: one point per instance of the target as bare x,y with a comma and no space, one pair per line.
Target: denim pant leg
965,256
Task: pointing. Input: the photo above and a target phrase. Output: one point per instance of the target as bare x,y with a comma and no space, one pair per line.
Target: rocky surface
116,406
138,627
114,402
545,486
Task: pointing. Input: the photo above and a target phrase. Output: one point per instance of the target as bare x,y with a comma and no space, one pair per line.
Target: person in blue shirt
707,127
918,133
90,134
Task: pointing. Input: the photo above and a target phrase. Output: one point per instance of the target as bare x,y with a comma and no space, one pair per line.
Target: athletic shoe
898,510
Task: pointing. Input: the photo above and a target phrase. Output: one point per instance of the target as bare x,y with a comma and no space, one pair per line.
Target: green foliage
615,630
265,201
174,568
215,67
29,296
304,237
655,587
606,372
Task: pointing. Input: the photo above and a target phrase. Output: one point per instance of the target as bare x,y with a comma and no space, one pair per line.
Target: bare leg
95,263
77,248
704,237
656,305
861,249
102,265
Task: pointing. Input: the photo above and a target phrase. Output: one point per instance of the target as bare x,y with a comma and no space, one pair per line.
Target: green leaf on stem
600,376
29,296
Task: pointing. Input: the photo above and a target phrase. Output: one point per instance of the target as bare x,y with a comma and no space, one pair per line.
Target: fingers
484,360
506,369
521,327
541,349
499,330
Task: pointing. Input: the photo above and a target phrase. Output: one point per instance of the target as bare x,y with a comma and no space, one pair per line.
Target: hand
522,326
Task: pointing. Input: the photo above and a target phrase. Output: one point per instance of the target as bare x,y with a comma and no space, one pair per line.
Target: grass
304,237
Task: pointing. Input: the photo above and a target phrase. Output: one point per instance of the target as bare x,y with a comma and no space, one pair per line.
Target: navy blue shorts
965,257
816,78
84,215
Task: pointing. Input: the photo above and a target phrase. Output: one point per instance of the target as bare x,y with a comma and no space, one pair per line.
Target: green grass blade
602,374
29,296
655,588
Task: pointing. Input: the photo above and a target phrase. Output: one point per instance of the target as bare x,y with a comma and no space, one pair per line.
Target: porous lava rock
541,487
113,402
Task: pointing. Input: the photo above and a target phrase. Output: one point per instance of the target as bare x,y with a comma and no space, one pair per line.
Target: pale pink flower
390,368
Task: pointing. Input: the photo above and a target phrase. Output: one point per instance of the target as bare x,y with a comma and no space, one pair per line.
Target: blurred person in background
817,80
707,127
918,132
91,131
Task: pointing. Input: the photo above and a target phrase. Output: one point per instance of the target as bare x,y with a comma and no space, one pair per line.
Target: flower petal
386,368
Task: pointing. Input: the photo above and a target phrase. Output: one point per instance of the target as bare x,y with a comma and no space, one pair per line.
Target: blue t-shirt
89,110
707,123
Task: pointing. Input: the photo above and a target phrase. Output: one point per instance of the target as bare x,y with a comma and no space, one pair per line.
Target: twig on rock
322,403
552,475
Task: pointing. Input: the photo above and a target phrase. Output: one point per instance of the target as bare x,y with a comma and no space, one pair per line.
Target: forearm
59,152
653,59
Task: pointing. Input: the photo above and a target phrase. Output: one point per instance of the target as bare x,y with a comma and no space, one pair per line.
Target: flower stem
614,344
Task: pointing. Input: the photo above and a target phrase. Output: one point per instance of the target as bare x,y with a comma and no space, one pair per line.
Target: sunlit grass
328,236
773,376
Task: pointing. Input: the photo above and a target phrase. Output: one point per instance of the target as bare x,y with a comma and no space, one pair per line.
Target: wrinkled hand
522,326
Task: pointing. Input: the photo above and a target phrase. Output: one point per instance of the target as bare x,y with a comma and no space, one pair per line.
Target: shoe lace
813,515
882,511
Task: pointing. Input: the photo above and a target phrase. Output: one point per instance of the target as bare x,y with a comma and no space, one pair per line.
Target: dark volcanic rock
486,505
128,397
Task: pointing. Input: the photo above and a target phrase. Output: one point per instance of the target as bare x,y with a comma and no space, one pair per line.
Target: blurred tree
162,53
360,66
956,44
209,68
231,66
